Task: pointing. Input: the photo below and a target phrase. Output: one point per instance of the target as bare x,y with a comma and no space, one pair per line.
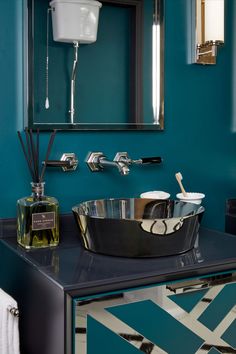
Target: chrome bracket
122,157
14,311
73,162
207,53
92,161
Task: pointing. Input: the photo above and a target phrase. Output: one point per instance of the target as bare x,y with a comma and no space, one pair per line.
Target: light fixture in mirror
209,30
156,67
119,82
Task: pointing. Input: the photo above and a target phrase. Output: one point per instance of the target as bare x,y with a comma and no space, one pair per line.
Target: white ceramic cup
195,198
155,195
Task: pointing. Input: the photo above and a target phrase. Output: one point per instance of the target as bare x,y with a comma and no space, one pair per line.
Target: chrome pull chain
47,62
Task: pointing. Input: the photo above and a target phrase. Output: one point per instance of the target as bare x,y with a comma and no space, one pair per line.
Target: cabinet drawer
187,317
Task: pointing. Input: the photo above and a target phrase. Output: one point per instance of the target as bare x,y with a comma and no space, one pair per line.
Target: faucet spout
121,166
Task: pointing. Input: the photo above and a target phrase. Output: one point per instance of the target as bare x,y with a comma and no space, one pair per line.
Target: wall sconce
209,30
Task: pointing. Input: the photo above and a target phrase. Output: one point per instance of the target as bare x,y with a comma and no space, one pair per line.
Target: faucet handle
151,160
68,162
123,157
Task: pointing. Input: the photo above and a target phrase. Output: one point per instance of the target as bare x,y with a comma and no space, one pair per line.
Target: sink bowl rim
199,209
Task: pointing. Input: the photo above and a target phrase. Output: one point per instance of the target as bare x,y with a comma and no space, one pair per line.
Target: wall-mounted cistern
97,161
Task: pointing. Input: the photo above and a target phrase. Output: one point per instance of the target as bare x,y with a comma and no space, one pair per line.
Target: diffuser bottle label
43,221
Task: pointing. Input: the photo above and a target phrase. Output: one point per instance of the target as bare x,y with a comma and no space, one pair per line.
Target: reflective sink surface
138,227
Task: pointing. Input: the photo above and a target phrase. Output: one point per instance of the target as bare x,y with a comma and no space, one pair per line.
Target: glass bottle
37,219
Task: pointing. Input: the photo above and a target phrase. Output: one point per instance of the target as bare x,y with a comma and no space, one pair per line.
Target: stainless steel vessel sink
138,227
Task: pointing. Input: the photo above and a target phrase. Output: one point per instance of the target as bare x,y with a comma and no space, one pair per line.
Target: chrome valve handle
123,157
68,162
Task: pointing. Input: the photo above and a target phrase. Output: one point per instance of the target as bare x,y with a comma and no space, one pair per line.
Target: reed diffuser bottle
37,214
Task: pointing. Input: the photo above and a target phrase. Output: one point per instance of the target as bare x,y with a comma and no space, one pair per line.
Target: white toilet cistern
74,21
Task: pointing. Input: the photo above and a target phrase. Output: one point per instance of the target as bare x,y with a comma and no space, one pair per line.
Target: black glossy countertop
81,272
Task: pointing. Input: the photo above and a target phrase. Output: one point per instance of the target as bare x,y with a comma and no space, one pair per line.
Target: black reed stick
31,153
52,137
26,157
29,150
37,152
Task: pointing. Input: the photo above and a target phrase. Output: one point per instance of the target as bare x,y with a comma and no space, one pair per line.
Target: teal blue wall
199,138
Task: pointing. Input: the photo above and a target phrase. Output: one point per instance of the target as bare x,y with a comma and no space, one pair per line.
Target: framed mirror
119,81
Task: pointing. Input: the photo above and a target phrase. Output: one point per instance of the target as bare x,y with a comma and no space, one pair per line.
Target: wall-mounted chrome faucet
97,161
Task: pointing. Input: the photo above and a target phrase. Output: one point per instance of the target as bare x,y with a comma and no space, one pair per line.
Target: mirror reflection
104,72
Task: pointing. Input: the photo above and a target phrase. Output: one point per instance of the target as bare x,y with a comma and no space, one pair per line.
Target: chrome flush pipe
72,86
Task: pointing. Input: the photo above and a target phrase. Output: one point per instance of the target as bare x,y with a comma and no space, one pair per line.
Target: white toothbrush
179,178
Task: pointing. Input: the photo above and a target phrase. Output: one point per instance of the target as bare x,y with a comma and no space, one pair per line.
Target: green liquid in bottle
37,219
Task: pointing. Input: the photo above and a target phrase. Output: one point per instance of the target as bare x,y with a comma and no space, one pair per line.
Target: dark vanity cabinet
72,301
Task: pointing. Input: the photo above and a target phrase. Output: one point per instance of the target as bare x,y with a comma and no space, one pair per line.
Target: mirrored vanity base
196,316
